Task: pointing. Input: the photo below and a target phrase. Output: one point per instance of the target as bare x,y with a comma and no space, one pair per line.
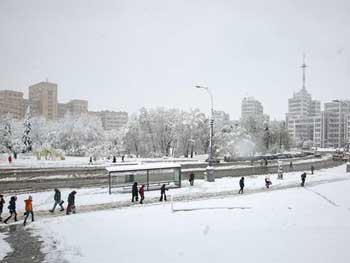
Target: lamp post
210,169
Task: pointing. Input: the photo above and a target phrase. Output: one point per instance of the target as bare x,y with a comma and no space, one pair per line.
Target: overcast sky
126,54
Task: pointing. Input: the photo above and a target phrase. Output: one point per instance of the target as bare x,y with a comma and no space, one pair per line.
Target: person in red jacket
142,193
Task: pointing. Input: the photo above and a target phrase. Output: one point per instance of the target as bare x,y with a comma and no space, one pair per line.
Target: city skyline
134,54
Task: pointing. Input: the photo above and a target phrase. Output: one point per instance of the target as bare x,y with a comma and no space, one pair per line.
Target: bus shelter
152,175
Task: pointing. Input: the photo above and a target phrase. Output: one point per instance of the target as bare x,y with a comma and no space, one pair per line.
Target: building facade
45,94
73,107
11,103
251,108
111,120
221,118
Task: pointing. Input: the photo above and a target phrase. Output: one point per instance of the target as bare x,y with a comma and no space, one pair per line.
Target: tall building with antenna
302,110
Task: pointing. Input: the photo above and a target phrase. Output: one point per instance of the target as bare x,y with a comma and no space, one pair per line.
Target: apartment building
45,94
251,108
111,120
11,103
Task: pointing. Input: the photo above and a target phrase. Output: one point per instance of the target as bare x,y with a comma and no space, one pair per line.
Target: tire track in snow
322,196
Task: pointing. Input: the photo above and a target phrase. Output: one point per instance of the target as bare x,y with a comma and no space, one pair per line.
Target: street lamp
210,169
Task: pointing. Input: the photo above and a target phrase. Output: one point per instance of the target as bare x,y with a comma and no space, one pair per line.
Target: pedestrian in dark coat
12,209
312,169
58,201
191,179
291,165
142,193
135,193
241,185
9,159
303,178
29,209
2,202
114,159
268,182
162,193
71,203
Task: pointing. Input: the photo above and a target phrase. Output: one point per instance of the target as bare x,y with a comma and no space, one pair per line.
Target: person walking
9,159
241,185
303,178
114,159
268,182
291,166
12,209
135,193
162,193
29,209
71,203
191,179
312,169
142,193
2,202
58,201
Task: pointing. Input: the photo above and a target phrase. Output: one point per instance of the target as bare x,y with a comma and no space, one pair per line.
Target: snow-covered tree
26,138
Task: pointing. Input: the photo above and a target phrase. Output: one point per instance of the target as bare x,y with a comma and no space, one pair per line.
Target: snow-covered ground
30,161
89,196
293,225
4,246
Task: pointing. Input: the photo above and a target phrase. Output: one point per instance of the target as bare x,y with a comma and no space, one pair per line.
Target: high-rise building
111,120
221,118
251,108
45,94
303,114
338,112
11,102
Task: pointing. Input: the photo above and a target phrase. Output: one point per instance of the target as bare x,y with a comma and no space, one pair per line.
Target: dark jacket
71,198
303,176
241,182
191,177
163,189
134,189
12,204
2,202
57,196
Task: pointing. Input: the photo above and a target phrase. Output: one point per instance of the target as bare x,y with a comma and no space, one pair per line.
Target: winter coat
142,191
134,189
163,189
57,196
71,198
191,177
303,176
2,202
29,205
241,183
12,204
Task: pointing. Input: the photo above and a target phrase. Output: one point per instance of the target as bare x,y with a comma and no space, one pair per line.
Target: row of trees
154,132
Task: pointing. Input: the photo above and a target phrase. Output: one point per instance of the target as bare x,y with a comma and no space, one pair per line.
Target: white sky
125,54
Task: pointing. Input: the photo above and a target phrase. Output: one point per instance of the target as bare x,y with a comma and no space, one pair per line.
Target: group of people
268,182
135,192
29,206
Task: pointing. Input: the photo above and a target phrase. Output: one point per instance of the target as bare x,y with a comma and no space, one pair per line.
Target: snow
291,225
4,247
127,168
91,196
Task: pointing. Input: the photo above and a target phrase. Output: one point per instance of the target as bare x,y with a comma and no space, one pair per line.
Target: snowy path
26,247
185,197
